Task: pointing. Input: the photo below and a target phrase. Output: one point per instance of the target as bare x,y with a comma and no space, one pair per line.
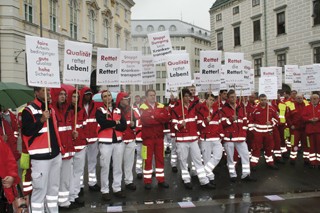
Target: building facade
269,32
104,23
184,37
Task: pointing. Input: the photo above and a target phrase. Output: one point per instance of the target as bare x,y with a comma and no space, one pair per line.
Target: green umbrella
13,95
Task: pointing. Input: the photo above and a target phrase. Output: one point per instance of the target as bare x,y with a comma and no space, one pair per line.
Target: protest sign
108,66
178,68
42,62
148,70
210,67
131,68
268,86
77,63
234,68
160,45
170,90
288,72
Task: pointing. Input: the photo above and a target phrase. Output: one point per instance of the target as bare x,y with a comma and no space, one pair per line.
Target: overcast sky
192,11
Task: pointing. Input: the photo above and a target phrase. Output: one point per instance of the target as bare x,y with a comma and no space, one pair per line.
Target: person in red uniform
7,134
297,128
153,117
311,115
9,177
262,123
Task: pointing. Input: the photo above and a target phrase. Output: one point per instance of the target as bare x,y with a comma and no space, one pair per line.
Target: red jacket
12,140
190,132
64,123
13,124
90,117
234,131
153,120
129,135
258,119
294,116
308,113
8,167
80,142
209,130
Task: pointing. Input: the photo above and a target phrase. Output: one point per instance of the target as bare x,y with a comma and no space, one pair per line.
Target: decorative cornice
93,4
281,50
282,7
257,55
107,13
314,43
236,23
219,29
256,16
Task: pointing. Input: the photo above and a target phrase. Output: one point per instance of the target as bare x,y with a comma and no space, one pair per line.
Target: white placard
178,68
77,63
148,70
245,89
114,209
160,45
196,82
234,68
131,68
252,82
114,88
187,204
42,62
296,80
223,84
272,72
210,67
214,88
170,90
108,66
288,71
268,86
274,197
310,76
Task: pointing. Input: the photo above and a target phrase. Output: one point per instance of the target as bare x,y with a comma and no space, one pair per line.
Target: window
151,86
134,39
118,41
106,32
157,87
219,17
150,28
158,98
135,48
316,55
144,87
281,29
173,28
73,19
28,11
257,65
53,15
163,87
136,88
91,26
144,50
183,48
255,2
161,28
235,10
281,60
126,44
236,33
139,28
256,31
158,74
316,12
128,88
220,41
164,74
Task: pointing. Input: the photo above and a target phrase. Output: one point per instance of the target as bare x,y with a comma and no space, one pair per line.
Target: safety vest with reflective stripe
106,135
282,112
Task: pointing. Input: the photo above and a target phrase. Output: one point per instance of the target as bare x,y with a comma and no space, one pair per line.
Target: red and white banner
210,67
160,45
108,66
131,68
77,63
42,62
178,68
148,70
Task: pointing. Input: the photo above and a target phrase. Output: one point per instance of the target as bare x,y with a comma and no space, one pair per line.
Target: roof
219,3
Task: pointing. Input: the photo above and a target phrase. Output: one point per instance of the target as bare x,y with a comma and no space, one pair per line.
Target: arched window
173,28
139,28
192,29
161,28
150,28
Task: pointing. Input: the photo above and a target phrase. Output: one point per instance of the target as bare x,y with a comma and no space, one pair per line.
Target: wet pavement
296,186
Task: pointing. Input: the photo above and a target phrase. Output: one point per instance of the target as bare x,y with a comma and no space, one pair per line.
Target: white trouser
45,182
92,155
114,150
65,177
243,152
139,160
76,181
174,156
184,149
212,154
167,140
128,160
